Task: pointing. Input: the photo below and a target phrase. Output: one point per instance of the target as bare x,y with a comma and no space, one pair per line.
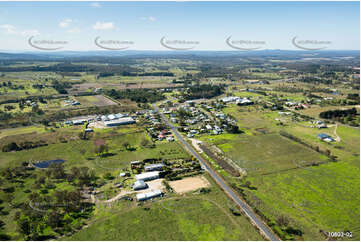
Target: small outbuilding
139,184
325,137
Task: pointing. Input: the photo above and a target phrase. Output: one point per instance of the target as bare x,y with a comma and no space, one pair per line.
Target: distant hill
46,56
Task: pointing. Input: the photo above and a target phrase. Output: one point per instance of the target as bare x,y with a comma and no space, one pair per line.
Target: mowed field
314,199
267,153
192,216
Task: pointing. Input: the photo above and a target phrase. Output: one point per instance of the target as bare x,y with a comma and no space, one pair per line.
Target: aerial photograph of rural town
180,121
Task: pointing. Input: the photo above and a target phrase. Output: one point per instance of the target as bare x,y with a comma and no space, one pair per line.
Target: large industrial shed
121,121
148,195
147,176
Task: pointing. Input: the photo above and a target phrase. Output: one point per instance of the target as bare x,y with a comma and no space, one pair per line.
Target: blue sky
208,24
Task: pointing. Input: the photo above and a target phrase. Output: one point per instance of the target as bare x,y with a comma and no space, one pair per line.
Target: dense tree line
315,80
137,95
203,91
158,73
354,96
4,116
338,113
348,116
13,146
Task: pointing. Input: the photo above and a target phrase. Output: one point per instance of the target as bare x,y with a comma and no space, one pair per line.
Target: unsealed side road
266,231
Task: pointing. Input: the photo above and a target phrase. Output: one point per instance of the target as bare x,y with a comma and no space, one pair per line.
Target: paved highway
254,218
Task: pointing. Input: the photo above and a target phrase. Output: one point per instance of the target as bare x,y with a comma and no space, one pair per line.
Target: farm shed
111,117
154,167
229,99
121,121
79,121
244,102
149,195
325,137
147,176
139,184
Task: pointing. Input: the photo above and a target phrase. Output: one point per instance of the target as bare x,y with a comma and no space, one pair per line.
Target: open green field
253,117
314,199
21,130
189,217
269,153
317,198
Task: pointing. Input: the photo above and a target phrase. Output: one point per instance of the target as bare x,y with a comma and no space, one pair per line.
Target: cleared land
265,154
98,100
189,184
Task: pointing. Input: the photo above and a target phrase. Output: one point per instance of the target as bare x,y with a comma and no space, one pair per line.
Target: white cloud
103,26
95,5
149,18
11,29
30,32
65,23
73,31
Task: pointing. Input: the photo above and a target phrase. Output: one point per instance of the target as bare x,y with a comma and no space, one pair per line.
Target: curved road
266,231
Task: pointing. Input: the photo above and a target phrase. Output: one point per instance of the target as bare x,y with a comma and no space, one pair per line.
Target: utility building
154,167
147,176
148,195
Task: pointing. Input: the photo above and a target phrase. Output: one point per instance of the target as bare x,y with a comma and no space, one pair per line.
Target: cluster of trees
83,176
315,80
60,86
354,96
10,85
4,116
189,168
233,129
203,91
303,67
26,145
46,216
137,95
341,102
38,86
156,73
51,215
338,113
284,88
347,116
